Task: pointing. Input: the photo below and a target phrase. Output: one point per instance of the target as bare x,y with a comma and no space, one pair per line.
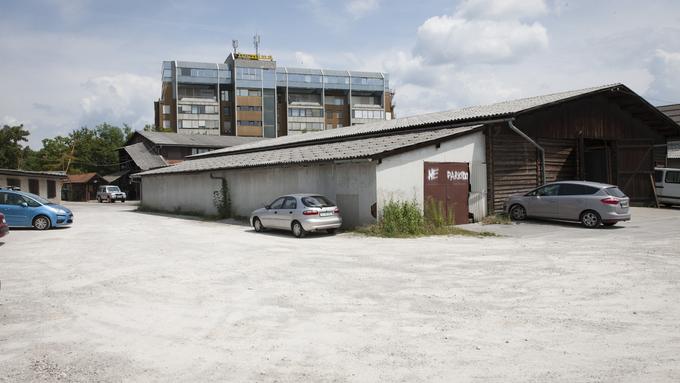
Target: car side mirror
267,206
23,204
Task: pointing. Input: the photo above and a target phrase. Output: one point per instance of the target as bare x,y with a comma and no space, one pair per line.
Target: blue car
25,210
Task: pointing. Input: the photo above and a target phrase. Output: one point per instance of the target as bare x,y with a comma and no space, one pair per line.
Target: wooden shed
607,134
82,187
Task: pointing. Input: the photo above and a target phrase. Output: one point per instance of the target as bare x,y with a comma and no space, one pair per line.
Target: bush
404,219
401,218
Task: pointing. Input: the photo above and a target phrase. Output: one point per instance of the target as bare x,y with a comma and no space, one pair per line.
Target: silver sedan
299,213
591,203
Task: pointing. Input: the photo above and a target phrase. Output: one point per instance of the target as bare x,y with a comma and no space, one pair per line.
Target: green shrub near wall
405,219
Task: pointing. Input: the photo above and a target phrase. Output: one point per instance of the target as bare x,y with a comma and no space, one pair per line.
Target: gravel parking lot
123,295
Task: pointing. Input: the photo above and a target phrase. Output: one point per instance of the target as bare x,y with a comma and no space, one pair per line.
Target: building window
198,109
166,124
14,182
166,109
305,112
198,124
226,111
193,72
224,95
51,189
335,100
336,80
249,123
371,114
248,92
249,108
34,186
248,73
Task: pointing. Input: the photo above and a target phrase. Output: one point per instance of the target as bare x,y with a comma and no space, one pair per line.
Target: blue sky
71,63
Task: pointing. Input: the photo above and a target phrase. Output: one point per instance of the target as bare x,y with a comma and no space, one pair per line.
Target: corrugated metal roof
672,111
19,172
143,157
473,114
196,140
343,150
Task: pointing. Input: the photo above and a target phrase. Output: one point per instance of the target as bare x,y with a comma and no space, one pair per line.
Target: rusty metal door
447,185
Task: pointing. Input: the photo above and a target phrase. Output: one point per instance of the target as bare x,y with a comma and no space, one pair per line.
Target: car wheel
257,225
298,230
331,231
41,222
518,213
590,219
99,199
111,200
123,201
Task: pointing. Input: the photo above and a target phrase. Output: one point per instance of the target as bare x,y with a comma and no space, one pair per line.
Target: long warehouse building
606,133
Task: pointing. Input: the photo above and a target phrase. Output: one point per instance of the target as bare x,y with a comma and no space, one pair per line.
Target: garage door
446,190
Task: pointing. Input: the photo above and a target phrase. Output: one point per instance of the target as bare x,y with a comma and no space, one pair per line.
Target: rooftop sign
248,56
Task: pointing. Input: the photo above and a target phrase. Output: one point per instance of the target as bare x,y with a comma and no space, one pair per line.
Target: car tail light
310,212
610,201
336,211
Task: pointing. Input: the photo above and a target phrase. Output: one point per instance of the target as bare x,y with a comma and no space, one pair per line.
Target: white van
667,185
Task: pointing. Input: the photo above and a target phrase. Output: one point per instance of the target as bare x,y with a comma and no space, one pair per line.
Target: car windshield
38,198
317,201
113,189
615,192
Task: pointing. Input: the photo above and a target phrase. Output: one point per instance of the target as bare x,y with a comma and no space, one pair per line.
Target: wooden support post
656,199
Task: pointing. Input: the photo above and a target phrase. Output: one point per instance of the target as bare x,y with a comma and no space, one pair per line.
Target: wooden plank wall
514,165
513,162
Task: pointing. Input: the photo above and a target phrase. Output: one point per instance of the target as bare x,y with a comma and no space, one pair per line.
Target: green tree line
81,151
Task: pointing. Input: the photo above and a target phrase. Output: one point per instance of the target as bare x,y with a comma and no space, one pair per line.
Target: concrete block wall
252,188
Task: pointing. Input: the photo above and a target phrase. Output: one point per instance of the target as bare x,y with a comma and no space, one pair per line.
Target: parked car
667,186
110,193
23,209
299,213
591,203
4,228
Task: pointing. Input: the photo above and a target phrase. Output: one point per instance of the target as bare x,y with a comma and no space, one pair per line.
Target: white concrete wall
252,188
400,177
42,182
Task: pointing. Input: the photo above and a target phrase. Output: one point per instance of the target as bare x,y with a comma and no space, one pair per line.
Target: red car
4,229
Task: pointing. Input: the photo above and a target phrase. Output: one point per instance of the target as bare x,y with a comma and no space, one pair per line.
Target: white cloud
665,67
122,98
305,60
359,8
446,39
501,9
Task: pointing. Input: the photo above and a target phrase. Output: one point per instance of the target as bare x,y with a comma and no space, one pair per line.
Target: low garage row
469,160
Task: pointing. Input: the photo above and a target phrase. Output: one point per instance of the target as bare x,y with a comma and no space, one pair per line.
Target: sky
71,63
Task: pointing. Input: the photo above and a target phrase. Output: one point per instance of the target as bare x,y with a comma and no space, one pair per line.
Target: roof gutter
532,142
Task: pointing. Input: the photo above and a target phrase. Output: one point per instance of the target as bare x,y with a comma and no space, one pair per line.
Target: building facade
249,96
45,184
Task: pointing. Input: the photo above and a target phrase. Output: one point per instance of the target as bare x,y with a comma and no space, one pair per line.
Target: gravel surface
127,296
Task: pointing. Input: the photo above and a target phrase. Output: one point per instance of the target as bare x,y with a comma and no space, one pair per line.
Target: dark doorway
447,186
597,161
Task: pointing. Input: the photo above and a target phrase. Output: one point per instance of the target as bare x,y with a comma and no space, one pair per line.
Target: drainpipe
532,142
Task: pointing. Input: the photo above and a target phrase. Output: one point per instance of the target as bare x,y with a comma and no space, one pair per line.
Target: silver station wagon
299,213
590,203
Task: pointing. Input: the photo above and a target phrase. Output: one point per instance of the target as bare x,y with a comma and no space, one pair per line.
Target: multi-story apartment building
248,95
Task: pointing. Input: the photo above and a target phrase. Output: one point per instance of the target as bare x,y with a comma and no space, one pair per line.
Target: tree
10,147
